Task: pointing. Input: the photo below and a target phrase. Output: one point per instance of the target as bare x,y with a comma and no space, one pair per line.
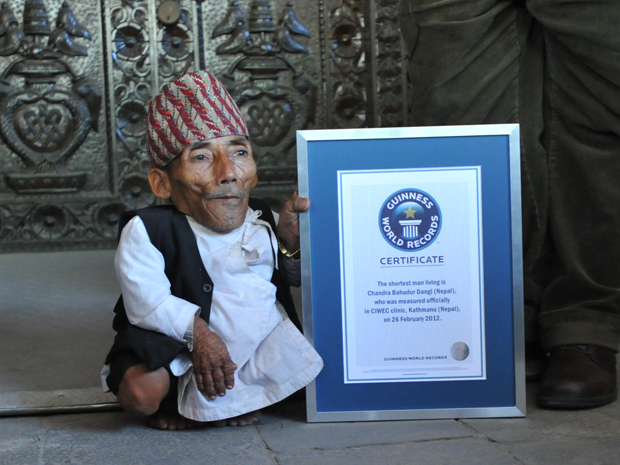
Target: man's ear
255,181
160,183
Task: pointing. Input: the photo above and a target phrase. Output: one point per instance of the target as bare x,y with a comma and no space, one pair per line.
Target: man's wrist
286,252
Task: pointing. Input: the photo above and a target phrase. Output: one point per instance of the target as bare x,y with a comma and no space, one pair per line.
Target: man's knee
141,390
135,399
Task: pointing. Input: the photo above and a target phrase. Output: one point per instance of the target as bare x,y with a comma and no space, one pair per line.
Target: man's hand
213,368
288,224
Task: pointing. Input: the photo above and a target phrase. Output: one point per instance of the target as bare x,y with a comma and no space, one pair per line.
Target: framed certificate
412,272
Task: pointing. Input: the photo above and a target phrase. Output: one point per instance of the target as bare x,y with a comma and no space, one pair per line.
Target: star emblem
410,212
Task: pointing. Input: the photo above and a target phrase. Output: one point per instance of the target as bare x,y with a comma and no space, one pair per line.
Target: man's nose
225,170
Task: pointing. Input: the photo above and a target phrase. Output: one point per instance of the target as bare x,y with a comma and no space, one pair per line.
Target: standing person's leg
481,61
581,304
463,60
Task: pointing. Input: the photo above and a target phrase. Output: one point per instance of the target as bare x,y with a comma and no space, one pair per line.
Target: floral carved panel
391,80
76,78
148,49
54,153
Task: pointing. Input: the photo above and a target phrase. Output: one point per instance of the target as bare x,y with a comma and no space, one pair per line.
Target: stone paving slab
20,452
21,428
205,446
569,451
289,435
118,439
561,424
440,452
601,422
612,410
284,438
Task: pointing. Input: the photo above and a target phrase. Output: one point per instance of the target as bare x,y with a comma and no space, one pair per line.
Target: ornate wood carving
76,79
349,81
392,101
53,132
145,54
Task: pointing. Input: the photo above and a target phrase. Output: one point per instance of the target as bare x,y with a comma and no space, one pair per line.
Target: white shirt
273,357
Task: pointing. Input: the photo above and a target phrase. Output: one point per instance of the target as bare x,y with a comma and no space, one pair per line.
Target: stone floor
55,311
590,437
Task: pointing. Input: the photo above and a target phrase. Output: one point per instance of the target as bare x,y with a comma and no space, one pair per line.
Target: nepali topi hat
193,108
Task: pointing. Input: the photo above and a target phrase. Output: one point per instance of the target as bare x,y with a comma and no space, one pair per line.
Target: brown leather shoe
579,376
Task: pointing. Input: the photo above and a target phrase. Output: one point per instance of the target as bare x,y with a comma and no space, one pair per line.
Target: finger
296,203
229,374
209,387
218,381
301,204
199,382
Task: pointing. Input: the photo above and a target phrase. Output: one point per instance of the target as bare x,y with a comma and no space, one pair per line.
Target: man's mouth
229,194
227,197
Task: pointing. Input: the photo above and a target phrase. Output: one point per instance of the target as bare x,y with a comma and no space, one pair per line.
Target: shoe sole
576,402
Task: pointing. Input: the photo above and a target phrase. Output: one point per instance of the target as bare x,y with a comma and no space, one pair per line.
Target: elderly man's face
211,181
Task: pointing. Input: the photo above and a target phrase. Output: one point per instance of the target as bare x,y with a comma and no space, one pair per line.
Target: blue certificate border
321,154
481,290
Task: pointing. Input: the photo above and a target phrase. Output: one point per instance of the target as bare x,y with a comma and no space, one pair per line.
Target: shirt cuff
181,314
188,337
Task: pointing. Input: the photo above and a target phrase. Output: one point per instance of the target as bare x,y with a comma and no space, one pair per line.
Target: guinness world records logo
410,220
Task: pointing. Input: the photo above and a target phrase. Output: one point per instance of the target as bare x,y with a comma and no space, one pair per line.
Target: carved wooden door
76,79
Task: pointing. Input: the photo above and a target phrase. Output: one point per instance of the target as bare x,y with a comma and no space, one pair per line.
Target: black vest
170,232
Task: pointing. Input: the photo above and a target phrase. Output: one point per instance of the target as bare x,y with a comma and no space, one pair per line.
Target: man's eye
199,157
241,153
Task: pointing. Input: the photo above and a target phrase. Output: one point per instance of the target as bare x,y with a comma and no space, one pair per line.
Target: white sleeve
149,303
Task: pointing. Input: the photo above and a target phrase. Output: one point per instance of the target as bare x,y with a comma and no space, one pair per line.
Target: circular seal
459,351
410,220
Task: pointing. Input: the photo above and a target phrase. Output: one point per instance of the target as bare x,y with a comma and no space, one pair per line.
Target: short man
206,325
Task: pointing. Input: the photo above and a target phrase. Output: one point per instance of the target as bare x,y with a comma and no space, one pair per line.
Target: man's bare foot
171,420
242,420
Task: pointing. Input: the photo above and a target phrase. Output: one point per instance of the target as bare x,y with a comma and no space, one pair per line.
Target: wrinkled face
211,181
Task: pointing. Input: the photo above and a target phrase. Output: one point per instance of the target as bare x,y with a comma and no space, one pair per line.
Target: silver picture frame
320,154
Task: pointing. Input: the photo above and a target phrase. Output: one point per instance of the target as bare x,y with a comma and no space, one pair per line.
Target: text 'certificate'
411,271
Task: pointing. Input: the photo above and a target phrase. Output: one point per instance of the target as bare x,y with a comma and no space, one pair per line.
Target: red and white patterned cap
193,108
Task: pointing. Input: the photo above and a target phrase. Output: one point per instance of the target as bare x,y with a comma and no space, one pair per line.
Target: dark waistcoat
170,232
